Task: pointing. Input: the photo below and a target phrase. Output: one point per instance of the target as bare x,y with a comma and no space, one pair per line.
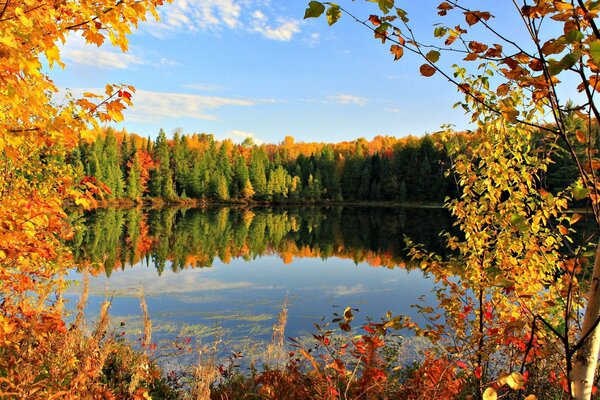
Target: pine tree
134,183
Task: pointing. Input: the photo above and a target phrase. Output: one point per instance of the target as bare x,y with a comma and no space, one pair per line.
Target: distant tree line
199,167
411,169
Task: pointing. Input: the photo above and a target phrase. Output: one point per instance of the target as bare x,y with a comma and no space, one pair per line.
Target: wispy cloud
313,40
342,290
283,29
124,284
203,87
165,62
77,51
154,106
238,136
342,98
216,15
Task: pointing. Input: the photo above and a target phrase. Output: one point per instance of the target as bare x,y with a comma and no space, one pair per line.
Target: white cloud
153,106
125,283
78,52
165,62
342,290
215,15
313,40
203,87
283,30
238,136
342,98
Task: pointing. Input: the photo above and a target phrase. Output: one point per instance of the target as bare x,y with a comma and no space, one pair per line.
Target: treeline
180,238
194,167
199,167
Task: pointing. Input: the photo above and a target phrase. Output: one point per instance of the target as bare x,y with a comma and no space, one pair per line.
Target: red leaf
375,20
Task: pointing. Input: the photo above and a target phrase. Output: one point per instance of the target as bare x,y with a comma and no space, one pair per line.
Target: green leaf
402,15
570,59
333,14
554,67
516,219
385,5
439,31
574,36
314,10
595,51
580,193
433,56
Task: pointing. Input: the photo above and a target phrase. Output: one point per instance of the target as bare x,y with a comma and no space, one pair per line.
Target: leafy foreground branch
511,79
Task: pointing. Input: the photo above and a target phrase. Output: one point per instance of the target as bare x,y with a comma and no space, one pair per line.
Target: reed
205,372
83,299
275,354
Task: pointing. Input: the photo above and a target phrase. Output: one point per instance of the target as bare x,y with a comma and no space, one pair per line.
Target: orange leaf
473,17
397,51
427,70
375,20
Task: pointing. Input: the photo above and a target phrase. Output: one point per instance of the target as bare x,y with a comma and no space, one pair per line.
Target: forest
197,166
517,313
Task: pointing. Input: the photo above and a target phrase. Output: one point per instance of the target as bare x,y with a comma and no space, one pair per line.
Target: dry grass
205,373
147,339
275,355
83,299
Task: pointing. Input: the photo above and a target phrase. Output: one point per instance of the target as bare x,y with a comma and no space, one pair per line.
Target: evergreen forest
199,167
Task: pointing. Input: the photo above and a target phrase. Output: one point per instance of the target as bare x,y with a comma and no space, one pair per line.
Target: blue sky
240,68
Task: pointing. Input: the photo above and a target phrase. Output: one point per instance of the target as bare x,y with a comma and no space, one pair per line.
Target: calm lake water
229,270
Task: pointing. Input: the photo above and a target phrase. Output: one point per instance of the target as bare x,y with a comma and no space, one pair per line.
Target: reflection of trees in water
194,237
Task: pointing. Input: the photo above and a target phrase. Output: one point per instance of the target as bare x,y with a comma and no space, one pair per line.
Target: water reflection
228,270
183,238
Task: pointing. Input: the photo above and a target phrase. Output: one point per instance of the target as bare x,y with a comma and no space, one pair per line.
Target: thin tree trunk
586,359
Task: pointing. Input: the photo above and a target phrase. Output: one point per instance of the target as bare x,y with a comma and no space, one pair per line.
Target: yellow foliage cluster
36,132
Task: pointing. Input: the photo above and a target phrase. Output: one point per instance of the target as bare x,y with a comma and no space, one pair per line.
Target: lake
228,271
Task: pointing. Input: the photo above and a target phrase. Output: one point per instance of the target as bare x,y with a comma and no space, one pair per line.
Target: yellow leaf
502,379
531,397
348,316
53,55
9,41
490,394
575,218
560,6
515,380
81,201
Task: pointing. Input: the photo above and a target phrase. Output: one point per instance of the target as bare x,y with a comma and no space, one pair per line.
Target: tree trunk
586,359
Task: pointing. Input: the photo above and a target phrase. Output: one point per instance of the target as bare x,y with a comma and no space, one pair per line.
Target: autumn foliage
41,357
510,76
